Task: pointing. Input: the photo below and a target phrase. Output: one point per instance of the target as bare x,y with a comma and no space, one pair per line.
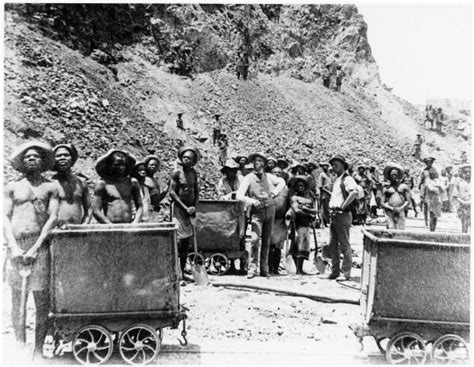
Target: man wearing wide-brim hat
343,194
74,197
229,184
429,169
462,196
271,163
257,190
115,189
396,196
243,162
31,210
184,192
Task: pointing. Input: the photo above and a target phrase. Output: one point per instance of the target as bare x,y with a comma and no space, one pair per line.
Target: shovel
25,272
198,271
290,266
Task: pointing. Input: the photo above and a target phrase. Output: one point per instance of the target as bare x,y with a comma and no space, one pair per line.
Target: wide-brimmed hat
299,178
135,168
44,149
465,167
310,163
255,155
148,158
102,163
238,157
295,167
339,157
230,165
272,159
362,166
283,163
72,150
388,168
191,148
327,164
426,159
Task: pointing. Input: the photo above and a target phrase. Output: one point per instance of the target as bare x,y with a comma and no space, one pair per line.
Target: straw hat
255,155
43,148
230,165
339,157
388,168
191,148
102,163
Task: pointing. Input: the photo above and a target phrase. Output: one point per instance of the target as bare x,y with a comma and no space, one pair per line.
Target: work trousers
325,211
41,299
262,226
339,243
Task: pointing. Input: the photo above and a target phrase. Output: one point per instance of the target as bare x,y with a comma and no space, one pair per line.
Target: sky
423,49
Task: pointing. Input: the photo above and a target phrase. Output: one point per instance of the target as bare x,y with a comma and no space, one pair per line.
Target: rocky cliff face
96,75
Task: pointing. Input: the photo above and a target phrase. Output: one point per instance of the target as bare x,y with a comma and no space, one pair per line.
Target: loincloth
40,269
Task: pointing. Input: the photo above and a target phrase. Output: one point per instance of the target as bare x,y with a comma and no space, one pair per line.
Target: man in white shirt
258,189
343,194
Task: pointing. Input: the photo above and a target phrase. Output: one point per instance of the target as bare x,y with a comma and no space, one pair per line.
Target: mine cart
220,233
415,292
114,286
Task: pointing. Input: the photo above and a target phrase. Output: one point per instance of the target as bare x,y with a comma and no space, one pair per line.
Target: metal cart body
114,276
414,283
220,233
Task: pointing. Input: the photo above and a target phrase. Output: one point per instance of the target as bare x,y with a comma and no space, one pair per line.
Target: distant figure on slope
217,127
417,146
326,77
223,144
429,115
339,75
440,117
179,121
242,65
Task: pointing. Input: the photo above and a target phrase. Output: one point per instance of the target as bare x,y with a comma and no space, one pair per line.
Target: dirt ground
241,326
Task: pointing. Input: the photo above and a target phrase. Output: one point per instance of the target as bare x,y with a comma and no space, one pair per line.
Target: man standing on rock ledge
184,191
31,210
258,189
343,194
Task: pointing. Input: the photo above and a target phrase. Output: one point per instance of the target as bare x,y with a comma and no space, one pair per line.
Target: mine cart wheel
406,348
140,344
450,349
193,259
92,344
219,264
382,344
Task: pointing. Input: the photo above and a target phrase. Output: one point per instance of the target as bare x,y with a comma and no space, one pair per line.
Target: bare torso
30,206
117,201
186,181
71,194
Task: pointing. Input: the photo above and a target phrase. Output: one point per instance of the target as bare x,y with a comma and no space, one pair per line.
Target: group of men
435,116
333,74
181,60
279,199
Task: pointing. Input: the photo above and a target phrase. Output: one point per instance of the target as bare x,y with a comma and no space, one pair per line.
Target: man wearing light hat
424,177
74,199
229,184
258,189
184,191
31,210
343,194
115,190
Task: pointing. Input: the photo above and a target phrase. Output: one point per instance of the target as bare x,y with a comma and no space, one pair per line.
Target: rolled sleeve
350,184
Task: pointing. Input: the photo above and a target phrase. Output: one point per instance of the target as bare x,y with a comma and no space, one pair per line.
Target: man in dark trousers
343,194
217,127
184,191
258,189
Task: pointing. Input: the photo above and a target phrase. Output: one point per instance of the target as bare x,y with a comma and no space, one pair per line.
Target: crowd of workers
436,117
278,197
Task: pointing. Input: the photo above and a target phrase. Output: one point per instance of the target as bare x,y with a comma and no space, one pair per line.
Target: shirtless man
115,190
31,210
74,201
396,197
184,191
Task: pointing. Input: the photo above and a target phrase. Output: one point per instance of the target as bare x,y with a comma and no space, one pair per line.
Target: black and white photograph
251,183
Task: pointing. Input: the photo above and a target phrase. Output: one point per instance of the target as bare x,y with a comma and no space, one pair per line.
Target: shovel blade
199,273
